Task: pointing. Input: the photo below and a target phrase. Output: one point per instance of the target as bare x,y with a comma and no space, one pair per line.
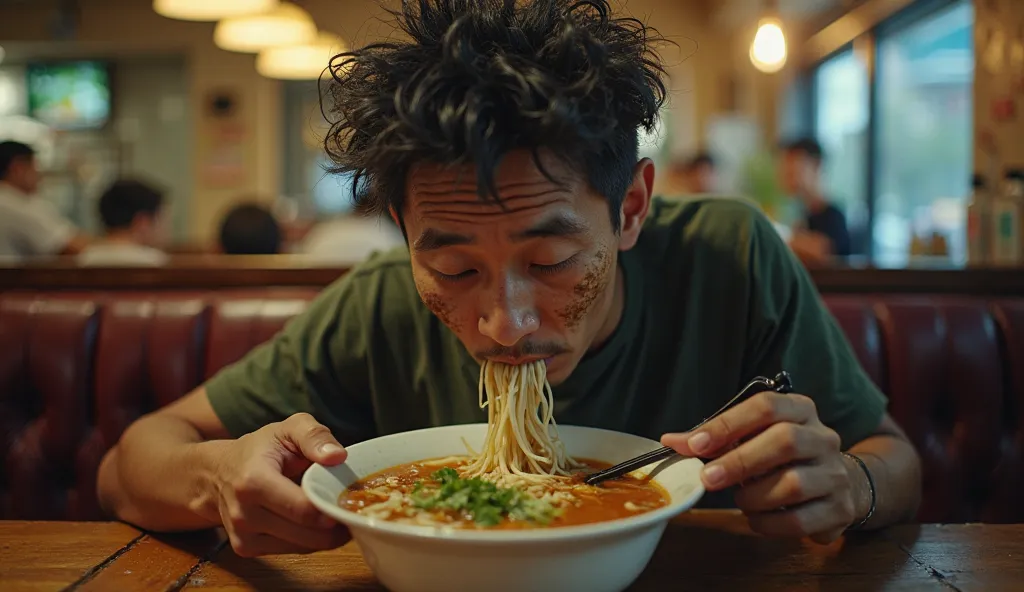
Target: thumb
679,442
313,440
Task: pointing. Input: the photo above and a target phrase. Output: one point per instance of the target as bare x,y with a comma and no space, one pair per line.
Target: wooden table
710,550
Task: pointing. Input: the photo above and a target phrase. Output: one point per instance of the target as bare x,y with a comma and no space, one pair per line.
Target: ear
394,216
636,204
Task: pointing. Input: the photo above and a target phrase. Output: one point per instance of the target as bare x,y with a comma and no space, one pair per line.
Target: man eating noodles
502,139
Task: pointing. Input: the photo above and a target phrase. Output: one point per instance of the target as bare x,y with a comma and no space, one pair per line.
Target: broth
391,494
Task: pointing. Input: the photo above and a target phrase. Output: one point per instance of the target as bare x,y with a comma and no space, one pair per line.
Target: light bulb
299,62
768,51
285,25
210,10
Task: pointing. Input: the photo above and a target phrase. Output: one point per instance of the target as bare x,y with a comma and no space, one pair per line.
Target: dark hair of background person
250,229
11,151
699,160
472,80
127,198
807,146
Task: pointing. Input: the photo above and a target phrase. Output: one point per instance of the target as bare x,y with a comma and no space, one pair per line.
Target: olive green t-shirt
713,298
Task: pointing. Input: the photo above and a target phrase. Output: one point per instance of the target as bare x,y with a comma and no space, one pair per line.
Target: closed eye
448,277
557,267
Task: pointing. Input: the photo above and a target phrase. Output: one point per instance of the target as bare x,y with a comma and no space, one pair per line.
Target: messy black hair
477,79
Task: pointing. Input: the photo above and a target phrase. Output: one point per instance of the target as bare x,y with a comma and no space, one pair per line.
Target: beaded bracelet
871,487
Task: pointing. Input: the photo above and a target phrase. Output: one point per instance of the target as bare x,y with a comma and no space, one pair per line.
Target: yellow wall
998,75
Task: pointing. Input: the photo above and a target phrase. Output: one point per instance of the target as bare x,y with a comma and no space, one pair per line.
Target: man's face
537,280
23,175
798,173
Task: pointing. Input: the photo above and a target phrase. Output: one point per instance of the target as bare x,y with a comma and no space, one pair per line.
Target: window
842,101
306,183
899,145
924,141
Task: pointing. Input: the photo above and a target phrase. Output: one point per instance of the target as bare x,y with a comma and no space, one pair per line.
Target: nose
510,314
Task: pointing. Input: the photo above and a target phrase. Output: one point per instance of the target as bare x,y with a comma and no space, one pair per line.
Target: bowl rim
448,533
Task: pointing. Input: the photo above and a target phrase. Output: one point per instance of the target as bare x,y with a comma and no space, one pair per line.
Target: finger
306,436
745,419
278,494
257,545
787,488
815,519
779,445
263,521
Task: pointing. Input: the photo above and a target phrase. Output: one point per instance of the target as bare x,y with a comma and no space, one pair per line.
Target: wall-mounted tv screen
69,95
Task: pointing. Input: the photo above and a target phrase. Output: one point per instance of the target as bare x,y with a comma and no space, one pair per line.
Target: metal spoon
780,384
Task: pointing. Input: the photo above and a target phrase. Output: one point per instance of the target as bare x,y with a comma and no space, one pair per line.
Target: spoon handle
780,384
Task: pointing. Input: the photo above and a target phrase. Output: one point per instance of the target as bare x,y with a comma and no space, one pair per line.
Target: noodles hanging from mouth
522,439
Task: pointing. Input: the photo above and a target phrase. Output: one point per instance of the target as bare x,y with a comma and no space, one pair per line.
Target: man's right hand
260,504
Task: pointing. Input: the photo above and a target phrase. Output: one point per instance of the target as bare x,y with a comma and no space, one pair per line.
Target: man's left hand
793,478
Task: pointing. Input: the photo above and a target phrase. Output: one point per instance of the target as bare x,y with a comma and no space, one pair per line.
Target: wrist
862,490
206,460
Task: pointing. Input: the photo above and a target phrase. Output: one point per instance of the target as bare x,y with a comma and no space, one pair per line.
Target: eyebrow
560,226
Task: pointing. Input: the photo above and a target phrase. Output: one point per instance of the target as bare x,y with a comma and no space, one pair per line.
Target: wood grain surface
701,550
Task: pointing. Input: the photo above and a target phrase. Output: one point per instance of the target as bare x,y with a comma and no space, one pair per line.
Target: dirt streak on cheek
442,309
588,291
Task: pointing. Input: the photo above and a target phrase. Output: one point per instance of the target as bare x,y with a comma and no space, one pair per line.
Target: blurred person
132,213
822,233
693,176
349,239
29,226
250,229
699,174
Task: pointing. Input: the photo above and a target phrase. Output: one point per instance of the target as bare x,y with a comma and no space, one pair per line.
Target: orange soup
433,493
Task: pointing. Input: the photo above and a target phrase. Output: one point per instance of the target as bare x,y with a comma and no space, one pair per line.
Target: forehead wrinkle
493,211
470,191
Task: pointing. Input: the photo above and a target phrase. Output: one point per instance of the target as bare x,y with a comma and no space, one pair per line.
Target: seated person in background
347,240
699,174
132,216
534,238
29,226
695,175
250,229
823,233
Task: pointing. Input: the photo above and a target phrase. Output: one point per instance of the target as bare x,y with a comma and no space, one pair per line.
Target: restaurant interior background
908,98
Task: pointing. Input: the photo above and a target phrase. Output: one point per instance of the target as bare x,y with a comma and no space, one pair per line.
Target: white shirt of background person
30,227
121,255
348,240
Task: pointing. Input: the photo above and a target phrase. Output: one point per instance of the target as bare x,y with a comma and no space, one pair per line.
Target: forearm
896,471
161,476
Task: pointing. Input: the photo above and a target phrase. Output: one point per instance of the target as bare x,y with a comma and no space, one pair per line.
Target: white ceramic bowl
605,556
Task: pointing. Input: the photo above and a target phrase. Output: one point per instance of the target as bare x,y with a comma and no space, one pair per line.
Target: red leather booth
77,367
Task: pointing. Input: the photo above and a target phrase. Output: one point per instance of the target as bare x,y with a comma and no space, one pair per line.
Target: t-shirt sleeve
791,329
43,229
316,364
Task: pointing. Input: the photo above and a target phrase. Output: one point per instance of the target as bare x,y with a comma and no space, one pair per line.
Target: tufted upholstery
77,368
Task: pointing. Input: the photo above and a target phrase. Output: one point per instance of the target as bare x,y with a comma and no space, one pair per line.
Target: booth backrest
76,368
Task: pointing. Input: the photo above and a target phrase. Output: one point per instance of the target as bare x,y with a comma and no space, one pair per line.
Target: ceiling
732,13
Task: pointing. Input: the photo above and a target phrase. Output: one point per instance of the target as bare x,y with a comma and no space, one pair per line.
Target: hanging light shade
211,10
768,50
285,25
299,62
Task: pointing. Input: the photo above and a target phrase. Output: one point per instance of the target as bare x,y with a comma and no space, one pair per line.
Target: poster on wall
223,142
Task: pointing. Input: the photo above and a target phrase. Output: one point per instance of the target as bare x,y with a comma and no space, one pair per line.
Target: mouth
519,361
